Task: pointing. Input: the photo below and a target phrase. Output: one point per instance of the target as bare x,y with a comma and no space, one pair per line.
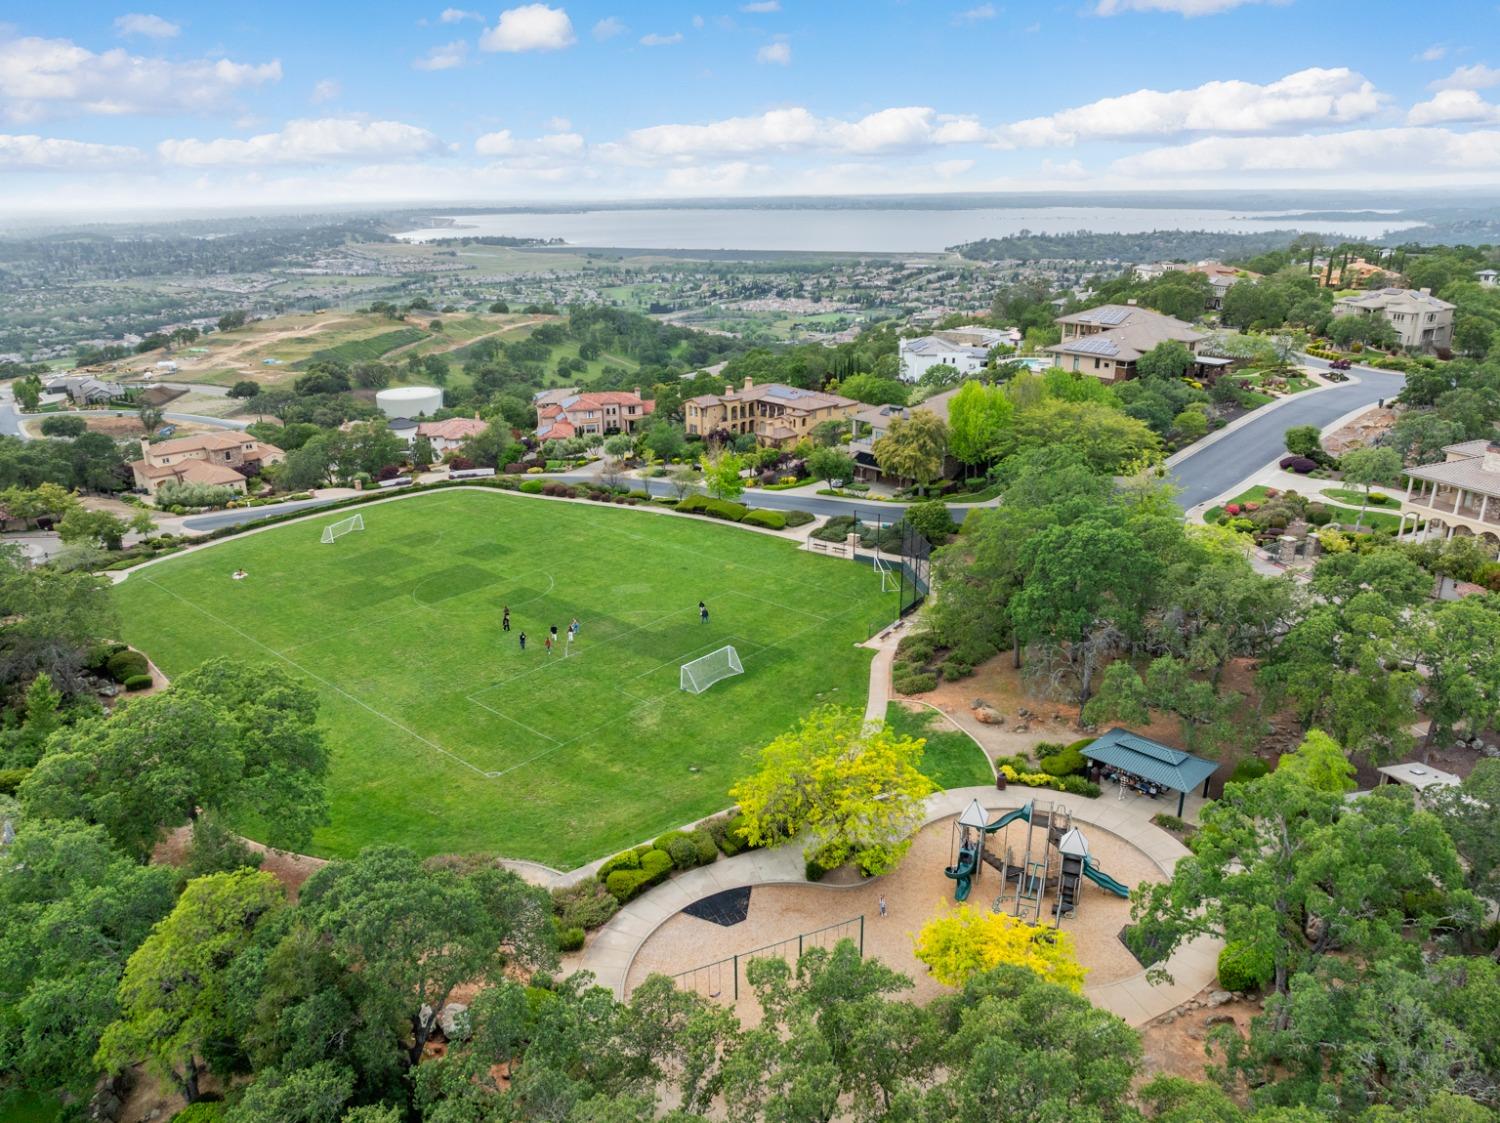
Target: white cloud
761,7
36,153
531,27
1435,152
1431,54
326,90
446,57
1476,77
1448,106
559,124
697,23
977,15
779,53
950,169
608,28
307,142
459,15
44,77
1309,97
797,129
503,143
652,39
152,27
499,143
714,180
1180,7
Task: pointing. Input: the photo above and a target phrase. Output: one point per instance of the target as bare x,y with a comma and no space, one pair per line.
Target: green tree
101,529
664,440
1191,424
913,448
309,466
829,464
493,448
1319,763
978,419
316,1094
52,621
28,392
853,792
1110,441
1365,466
72,910
40,718
1468,815
874,390
721,475
1168,359
174,996
826,434
1459,644
1305,440
421,451
150,418
244,389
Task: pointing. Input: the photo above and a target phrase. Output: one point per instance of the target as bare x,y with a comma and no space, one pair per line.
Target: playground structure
1035,875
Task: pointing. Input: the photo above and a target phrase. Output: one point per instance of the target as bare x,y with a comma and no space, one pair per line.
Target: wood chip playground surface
445,736
915,892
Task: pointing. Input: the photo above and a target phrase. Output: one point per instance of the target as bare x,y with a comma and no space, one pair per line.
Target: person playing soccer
523,641
548,641
703,612
573,627
505,620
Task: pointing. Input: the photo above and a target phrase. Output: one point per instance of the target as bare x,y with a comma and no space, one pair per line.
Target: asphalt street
1217,467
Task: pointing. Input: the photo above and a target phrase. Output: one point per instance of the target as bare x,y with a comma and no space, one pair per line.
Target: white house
966,349
1487,277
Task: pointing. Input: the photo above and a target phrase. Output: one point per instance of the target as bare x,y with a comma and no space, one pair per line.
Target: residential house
1106,341
1487,277
446,436
1460,496
1220,276
779,416
871,423
85,390
1422,321
561,414
220,459
964,348
403,427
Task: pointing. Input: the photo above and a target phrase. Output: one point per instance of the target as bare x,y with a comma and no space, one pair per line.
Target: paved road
1217,467
10,419
253,514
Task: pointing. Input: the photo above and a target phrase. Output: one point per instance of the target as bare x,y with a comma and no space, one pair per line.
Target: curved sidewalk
612,950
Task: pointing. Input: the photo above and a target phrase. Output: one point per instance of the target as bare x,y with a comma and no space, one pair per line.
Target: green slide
963,873
1022,813
1092,871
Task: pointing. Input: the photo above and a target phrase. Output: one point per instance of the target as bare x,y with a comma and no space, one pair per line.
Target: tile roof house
777,415
869,424
449,434
207,458
1106,341
561,414
1422,321
1460,496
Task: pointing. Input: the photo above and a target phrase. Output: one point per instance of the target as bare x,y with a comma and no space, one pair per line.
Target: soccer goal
343,527
699,674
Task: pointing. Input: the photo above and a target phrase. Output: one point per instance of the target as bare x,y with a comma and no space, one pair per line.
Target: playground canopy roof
1150,760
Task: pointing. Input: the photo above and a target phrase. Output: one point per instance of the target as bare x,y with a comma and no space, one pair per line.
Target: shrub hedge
570,938
123,665
1077,785
585,904
771,520
138,682
532,487
1065,762
799,518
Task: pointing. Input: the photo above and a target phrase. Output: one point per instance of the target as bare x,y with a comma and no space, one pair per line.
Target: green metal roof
1150,760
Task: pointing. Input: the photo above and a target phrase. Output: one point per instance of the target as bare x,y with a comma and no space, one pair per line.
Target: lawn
1374,518
952,759
446,737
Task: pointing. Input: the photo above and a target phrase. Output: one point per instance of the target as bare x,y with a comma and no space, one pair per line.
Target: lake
866,230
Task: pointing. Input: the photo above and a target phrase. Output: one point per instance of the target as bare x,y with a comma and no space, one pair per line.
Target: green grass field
446,737
951,758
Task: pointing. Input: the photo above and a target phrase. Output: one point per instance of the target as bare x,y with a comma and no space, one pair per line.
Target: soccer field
446,737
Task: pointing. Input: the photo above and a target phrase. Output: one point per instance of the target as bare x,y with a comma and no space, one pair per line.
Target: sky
179,106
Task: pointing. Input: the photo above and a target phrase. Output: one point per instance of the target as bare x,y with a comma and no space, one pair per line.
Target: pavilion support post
1181,802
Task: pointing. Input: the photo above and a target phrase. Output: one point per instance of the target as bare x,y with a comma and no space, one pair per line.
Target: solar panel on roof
1094,345
1107,315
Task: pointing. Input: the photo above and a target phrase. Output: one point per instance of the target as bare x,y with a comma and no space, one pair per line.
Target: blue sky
104,106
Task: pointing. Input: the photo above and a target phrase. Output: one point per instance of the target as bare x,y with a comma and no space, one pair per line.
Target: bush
914,682
918,647
64,426
1170,823
193,495
204,1111
708,849
1319,515
1249,768
1300,464
798,518
973,652
771,520
10,779
725,831
127,664
814,869
1380,498
714,508
1067,762
625,885
584,904
138,682
569,939
932,520
1079,785
955,669
1245,966
629,860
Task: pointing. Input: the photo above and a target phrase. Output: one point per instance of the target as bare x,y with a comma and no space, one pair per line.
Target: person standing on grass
505,620
523,641
573,627
549,643
703,612
568,650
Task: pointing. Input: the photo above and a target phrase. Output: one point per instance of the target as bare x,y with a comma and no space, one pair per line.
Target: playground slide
1022,813
1103,880
963,873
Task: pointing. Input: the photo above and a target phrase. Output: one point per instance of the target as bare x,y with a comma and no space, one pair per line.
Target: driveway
1217,466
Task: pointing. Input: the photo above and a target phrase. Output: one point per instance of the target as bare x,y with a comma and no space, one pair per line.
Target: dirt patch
1174,1043
914,893
288,868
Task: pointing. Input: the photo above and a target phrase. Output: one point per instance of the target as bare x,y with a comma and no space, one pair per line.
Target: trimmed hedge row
630,873
1077,785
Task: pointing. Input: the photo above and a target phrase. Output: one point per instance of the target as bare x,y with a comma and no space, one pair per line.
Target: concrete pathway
612,950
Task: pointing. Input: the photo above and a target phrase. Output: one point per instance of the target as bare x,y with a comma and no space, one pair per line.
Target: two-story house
1422,321
778,415
561,414
871,423
964,348
216,459
1106,341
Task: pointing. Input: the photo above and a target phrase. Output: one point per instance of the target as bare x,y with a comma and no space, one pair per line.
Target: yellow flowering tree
853,791
962,943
